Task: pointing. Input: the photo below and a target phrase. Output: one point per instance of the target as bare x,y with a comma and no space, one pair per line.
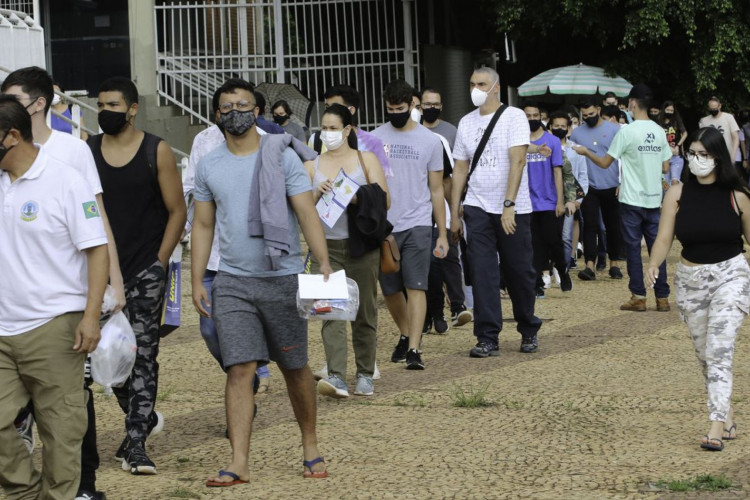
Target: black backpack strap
481,146
95,143
317,143
152,149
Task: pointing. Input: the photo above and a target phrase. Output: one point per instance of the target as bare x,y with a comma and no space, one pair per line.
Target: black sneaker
89,495
460,317
587,275
615,273
540,292
427,328
601,263
484,350
566,284
529,344
573,263
136,460
441,326
414,360
120,453
399,353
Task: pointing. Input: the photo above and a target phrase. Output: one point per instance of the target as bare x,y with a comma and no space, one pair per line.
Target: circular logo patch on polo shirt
29,211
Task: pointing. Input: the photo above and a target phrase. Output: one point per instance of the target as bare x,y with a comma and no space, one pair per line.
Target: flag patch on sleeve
90,210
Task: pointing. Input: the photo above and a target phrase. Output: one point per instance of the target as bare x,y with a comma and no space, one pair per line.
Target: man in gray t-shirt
416,158
432,105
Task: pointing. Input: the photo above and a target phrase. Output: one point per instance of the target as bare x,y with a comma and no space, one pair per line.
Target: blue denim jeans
639,223
676,163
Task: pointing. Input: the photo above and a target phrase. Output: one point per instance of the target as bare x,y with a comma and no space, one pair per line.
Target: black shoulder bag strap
480,147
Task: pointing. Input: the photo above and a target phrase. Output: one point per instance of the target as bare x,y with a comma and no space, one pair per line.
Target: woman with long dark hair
340,140
709,213
671,121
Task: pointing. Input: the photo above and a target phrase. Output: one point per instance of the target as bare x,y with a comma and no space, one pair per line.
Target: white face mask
56,100
700,167
416,115
333,139
479,97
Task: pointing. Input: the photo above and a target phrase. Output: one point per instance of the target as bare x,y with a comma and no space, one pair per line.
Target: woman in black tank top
709,214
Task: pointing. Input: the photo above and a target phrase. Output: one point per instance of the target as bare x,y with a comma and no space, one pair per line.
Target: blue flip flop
219,484
309,472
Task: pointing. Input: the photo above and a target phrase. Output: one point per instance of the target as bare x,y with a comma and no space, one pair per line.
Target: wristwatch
509,203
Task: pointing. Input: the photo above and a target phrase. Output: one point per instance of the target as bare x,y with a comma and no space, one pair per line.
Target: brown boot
634,304
662,304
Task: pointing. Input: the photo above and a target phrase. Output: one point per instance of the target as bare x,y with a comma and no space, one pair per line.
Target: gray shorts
256,320
415,247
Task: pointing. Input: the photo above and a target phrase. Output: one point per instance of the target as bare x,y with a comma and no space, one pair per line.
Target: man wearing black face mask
724,123
147,213
432,106
547,202
597,135
416,158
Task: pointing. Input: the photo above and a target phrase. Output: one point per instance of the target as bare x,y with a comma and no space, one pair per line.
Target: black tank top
707,225
135,207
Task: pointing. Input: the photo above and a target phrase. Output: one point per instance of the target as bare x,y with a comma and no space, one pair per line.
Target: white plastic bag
108,301
329,309
114,357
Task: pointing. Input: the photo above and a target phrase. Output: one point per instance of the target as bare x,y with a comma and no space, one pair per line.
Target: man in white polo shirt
53,260
34,89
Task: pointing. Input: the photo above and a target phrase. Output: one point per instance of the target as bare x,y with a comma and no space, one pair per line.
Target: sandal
309,472
219,484
709,444
729,432
263,385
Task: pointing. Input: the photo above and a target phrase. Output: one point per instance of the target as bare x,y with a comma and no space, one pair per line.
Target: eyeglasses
241,105
698,154
431,105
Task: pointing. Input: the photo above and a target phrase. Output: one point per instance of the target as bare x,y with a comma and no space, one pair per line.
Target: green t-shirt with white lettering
642,147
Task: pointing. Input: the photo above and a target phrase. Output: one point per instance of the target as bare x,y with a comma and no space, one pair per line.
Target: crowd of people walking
494,206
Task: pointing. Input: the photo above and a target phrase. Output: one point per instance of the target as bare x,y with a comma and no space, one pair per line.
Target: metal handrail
88,107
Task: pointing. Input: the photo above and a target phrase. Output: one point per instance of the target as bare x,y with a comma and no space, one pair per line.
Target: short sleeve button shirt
489,181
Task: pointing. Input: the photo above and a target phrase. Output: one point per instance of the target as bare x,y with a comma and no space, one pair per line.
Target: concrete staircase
164,121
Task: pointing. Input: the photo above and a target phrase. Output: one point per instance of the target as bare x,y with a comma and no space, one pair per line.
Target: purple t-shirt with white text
542,173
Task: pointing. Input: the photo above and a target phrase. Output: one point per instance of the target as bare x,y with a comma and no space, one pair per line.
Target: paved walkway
611,403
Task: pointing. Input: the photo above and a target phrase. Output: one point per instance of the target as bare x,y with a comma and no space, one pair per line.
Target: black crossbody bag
477,154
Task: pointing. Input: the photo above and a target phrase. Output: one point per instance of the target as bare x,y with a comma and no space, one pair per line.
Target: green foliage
693,48
471,397
704,482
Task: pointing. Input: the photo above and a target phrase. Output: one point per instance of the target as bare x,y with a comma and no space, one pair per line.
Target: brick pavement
611,403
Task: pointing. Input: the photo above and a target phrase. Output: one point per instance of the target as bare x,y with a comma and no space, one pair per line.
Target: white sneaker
547,280
376,373
556,277
322,373
159,426
333,387
364,386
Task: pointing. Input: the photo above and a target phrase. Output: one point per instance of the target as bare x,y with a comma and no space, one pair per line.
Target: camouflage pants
713,300
144,295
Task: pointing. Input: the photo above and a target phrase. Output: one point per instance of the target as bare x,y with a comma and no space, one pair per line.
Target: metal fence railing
21,40
76,107
312,44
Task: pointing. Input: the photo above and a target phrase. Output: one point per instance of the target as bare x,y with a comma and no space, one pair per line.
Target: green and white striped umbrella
577,79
